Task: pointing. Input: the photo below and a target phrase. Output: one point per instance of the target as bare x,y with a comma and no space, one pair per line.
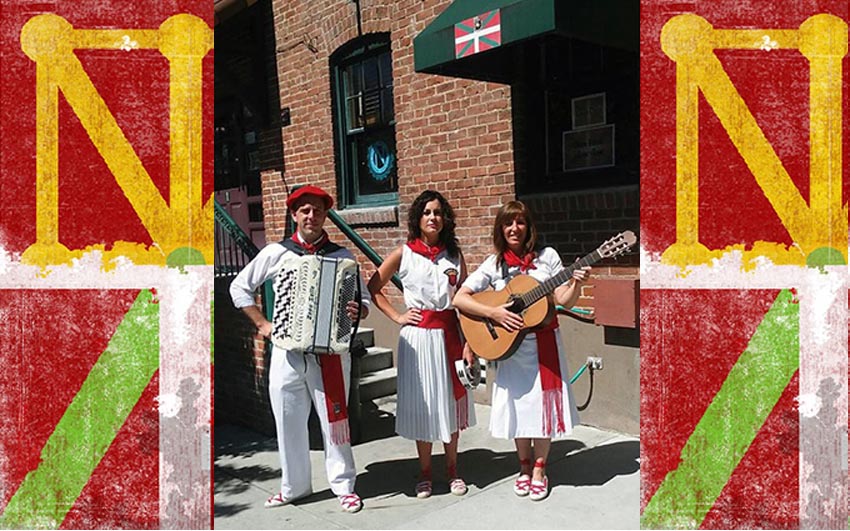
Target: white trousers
292,386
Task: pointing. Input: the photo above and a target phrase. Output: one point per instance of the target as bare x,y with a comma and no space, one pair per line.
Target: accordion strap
328,248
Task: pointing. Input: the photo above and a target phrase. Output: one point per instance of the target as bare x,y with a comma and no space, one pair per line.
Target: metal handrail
361,244
228,224
234,232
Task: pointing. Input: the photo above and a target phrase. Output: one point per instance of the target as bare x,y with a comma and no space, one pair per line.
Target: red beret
309,190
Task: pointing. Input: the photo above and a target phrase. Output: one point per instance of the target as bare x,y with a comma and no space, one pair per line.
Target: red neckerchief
430,252
311,248
524,263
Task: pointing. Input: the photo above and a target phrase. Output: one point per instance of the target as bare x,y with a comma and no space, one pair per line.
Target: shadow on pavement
230,480
241,446
481,467
595,466
375,424
229,509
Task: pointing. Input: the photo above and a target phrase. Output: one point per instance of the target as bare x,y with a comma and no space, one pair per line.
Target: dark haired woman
532,400
432,403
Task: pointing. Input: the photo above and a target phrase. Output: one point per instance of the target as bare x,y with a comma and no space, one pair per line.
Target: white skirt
427,409
517,410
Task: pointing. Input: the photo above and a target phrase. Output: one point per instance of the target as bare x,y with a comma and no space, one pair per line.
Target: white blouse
489,273
428,285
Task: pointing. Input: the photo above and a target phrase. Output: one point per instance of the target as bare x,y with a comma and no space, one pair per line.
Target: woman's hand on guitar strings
506,318
410,317
582,274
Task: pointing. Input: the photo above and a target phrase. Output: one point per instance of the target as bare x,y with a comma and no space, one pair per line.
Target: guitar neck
545,288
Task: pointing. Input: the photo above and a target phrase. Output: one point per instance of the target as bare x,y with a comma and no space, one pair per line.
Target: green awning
512,24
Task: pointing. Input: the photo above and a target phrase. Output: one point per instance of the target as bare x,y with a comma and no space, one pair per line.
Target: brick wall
452,135
241,367
576,223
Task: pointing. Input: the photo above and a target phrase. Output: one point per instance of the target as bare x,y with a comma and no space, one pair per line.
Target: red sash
335,399
550,379
446,320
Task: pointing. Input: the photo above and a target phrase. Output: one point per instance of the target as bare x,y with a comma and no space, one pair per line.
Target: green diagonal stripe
465,27
91,422
464,49
489,42
490,16
731,422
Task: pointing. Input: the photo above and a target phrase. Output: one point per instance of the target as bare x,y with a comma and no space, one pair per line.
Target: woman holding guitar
532,400
432,403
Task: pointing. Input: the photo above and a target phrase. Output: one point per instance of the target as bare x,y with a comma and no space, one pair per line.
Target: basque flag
478,34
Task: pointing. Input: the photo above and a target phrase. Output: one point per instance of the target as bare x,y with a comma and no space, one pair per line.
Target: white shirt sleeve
482,278
550,258
263,267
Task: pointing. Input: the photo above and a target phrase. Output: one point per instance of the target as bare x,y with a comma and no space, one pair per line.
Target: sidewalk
594,478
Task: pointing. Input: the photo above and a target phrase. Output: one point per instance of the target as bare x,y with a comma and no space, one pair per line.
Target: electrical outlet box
594,362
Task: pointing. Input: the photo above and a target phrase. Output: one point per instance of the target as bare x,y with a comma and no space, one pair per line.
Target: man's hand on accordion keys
356,311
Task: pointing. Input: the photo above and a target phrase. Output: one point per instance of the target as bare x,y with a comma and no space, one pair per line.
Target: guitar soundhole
517,307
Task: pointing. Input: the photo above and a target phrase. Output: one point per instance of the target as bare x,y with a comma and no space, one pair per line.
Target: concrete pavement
594,479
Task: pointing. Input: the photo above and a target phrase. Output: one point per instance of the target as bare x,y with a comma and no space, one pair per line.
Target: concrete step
377,384
367,336
376,359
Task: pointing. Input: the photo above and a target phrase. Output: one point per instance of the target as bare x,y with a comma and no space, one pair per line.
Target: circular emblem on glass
380,160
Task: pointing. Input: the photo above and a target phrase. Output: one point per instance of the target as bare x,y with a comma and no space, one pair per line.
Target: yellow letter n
182,228
817,227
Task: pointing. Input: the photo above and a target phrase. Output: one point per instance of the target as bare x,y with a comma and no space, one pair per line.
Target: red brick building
381,100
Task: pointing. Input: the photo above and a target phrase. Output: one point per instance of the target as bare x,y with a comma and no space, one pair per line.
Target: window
590,143
575,118
364,122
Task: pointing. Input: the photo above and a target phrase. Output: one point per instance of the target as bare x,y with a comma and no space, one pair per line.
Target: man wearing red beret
295,379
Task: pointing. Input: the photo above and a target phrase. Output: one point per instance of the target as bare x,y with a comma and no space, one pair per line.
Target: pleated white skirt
517,407
426,404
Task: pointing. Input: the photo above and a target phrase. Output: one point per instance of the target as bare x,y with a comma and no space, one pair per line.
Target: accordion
311,294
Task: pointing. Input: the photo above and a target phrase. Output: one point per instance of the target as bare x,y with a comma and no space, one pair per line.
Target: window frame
354,52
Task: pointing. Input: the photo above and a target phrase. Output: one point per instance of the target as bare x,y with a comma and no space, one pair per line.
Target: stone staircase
377,373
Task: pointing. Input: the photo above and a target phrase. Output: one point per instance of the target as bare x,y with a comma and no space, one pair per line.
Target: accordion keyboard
311,295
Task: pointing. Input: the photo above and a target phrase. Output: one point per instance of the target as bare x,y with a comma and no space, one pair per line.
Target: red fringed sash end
550,380
340,432
335,400
553,412
462,405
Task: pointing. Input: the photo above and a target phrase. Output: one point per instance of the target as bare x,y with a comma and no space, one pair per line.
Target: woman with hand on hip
432,403
532,401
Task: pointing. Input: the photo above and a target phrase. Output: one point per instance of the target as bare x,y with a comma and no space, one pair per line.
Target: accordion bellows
311,294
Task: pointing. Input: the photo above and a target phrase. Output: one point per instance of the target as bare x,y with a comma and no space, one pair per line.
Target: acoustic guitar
532,300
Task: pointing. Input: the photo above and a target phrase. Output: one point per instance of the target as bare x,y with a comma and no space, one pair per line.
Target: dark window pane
386,70
376,162
354,112
371,78
387,105
351,80
372,108
255,212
